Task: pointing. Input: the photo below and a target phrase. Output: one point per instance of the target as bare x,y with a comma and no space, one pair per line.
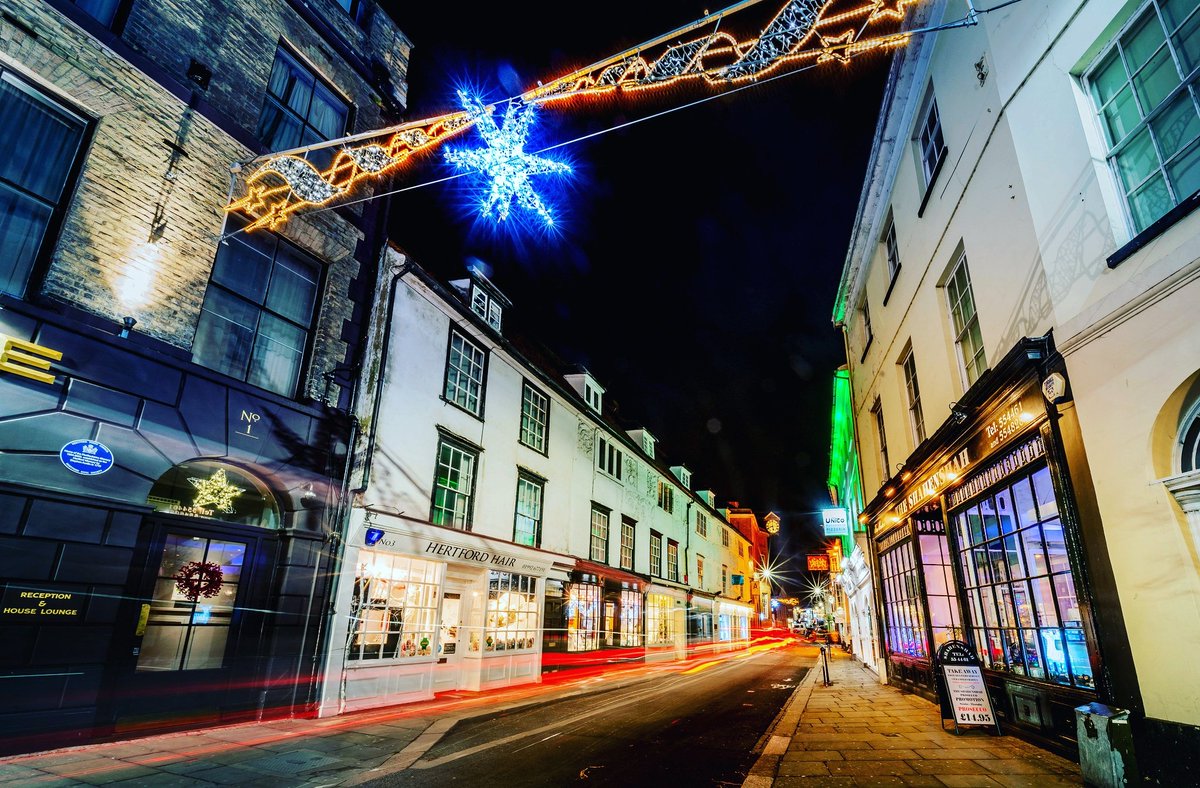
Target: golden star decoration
833,52
890,9
215,492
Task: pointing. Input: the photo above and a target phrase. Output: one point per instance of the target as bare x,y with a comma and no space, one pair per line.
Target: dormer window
648,445
484,305
683,475
592,396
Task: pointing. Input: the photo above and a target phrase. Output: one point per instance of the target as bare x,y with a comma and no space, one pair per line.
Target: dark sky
697,253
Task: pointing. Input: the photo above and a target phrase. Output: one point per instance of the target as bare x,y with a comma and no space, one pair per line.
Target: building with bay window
503,523
1018,302
172,391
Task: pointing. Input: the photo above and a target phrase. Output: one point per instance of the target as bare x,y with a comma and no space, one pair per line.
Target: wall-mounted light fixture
128,323
959,413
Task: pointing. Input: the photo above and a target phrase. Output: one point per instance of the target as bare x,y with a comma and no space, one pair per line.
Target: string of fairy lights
802,35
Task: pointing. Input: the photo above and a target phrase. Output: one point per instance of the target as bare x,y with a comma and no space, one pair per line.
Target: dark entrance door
195,626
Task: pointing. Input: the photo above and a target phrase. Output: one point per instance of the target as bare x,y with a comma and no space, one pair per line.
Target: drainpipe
342,518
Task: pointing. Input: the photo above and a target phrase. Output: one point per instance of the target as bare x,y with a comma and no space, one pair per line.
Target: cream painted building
503,523
1019,300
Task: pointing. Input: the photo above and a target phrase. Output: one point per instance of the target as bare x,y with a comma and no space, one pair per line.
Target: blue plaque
85,457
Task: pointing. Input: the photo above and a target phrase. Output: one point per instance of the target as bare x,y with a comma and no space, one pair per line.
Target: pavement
858,732
855,732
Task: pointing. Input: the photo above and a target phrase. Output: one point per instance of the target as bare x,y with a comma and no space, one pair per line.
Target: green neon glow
844,485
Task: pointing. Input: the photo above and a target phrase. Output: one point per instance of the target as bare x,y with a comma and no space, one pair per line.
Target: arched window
215,491
1189,440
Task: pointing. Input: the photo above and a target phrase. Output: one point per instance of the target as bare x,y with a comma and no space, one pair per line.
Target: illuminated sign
215,492
26,359
836,521
818,563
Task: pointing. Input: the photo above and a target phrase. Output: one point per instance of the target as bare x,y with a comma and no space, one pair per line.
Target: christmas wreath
197,579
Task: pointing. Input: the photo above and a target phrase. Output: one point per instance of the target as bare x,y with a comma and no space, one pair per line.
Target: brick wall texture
104,259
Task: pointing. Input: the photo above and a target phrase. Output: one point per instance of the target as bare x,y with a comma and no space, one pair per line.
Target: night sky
697,253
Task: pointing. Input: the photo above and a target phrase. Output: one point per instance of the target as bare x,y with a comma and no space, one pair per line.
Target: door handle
143,619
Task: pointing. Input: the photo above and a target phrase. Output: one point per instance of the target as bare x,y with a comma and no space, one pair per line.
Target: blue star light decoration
504,160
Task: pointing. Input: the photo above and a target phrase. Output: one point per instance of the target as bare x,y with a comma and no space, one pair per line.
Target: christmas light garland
802,33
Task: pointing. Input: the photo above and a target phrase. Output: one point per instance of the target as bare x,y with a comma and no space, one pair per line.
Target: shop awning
606,574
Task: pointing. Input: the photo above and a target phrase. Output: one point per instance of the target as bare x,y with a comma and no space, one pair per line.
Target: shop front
979,539
422,609
161,540
599,619
732,624
857,582
666,623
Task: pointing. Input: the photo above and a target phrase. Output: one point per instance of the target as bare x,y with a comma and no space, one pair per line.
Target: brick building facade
172,391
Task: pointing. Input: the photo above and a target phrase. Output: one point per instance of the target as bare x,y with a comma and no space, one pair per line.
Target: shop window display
902,603
393,611
583,617
631,618
660,620
945,618
512,615
1023,607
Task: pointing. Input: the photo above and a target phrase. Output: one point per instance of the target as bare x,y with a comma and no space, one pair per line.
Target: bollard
825,664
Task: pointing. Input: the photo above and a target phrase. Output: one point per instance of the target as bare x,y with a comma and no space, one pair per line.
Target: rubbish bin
1105,746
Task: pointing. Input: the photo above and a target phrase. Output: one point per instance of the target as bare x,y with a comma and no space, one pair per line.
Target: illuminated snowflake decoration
504,160
215,492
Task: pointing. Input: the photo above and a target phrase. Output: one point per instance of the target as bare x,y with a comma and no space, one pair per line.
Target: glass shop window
185,631
660,620
903,608
583,617
394,607
511,623
945,618
1022,605
631,618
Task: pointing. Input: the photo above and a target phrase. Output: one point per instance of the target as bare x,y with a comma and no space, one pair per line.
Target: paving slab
862,733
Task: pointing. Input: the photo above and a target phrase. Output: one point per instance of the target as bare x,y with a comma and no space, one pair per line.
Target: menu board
964,696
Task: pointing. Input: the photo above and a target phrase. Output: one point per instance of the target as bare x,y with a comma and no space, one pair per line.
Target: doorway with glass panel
193,624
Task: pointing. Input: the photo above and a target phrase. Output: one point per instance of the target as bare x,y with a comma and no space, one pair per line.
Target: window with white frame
741,550
701,523
627,531
916,419
393,607
486,306
591,395
41,144
535,418
700,572
608,457
724,579
666,496
464,374
885,467
1144,88
967,336
527,529
673,560
511,623
599,534
648,445
931,146
725,537
655,554
890,247
454,485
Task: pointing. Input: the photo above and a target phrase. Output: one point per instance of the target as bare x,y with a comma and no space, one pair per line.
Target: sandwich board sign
963,695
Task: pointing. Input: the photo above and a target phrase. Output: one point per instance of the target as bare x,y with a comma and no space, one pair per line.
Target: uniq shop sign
836,521
86,457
